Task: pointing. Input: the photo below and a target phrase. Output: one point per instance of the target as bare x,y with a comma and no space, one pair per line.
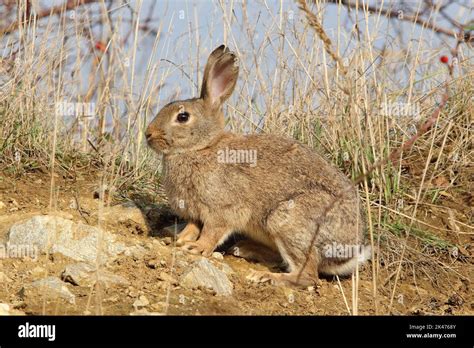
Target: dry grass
419,210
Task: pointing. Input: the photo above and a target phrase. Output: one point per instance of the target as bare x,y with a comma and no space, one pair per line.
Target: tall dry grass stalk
326,90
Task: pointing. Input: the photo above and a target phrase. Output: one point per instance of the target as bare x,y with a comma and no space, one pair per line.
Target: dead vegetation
333,89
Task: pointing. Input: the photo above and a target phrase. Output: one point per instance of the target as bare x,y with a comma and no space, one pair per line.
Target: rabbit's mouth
158,143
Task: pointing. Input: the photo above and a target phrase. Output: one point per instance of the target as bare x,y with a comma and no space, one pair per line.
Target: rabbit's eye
183,117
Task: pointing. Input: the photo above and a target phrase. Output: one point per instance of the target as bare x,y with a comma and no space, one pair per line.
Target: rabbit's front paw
198,248
189,234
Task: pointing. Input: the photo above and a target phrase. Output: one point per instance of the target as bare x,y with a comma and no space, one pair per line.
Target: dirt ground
156,274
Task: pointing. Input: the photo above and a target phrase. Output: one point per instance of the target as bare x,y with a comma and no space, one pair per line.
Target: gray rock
203,273
140,302
55,234
218,256
83,274
50,287
137,252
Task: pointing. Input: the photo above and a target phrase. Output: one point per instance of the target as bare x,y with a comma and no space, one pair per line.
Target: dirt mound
149,275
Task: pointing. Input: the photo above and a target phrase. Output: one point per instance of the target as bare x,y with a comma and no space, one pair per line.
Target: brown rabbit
269,188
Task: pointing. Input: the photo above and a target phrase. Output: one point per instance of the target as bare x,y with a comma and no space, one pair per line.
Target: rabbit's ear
220,77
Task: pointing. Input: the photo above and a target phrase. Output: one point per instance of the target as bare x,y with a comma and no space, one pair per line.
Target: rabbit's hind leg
308,276
291,227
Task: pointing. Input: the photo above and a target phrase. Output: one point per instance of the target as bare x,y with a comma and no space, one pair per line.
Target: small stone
132,292
141,302
217,255
167,240
50,287
2,205
38,272
202,273
83,274
163,276
153,264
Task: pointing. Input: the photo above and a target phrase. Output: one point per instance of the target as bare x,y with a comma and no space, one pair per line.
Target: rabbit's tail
346,267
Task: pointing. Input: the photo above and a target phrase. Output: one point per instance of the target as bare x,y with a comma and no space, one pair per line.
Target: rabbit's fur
276,199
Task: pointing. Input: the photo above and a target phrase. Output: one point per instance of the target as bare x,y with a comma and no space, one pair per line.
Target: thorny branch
405,14
55,10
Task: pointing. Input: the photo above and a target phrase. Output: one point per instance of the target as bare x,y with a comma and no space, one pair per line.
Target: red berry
100,46
444,59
